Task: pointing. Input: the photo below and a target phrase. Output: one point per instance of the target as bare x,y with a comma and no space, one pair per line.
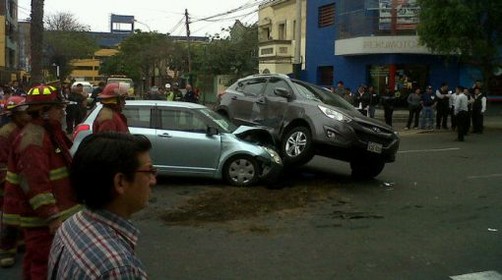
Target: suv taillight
81,127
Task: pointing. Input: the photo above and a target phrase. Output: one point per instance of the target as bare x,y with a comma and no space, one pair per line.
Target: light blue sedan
192,140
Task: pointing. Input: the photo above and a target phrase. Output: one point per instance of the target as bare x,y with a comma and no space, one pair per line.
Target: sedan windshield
223,124
313,92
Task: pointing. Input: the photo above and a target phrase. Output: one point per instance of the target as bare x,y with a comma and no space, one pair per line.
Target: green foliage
468,29
64,40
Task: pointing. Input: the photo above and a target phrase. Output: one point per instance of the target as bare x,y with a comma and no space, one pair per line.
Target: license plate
375,147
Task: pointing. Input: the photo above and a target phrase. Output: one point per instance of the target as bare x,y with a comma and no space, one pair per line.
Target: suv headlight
332,114
273,154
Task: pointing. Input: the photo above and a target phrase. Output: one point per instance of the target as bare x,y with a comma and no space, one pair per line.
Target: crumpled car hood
255,134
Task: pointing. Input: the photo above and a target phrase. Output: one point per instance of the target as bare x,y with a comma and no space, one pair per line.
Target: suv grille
368,132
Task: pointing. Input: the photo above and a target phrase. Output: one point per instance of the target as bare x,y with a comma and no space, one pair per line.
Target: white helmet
168,86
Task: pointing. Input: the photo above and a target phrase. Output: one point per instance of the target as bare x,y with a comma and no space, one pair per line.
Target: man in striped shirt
99,241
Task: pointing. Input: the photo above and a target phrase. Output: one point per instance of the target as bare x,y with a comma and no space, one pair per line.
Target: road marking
485,275
429,150
485,176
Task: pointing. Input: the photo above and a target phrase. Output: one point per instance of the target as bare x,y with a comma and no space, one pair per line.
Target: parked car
307,120
192,140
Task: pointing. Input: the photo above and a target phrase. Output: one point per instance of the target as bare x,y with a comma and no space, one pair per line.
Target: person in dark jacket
190,95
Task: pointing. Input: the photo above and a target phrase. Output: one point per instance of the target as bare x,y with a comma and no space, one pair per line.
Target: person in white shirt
453,119
461,113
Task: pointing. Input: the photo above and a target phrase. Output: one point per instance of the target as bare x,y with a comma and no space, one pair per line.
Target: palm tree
36,36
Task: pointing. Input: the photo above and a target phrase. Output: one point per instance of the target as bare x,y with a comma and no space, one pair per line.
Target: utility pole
297,62
187,23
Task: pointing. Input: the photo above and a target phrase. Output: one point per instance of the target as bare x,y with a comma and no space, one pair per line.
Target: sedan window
138,116
181,121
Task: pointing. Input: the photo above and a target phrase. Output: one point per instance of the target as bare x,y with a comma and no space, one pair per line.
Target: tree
66,39
36,37
470,30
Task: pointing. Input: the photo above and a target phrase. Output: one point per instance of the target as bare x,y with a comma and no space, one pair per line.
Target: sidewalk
492,120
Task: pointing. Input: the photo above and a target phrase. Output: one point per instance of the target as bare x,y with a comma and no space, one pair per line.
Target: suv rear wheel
296,147
366,169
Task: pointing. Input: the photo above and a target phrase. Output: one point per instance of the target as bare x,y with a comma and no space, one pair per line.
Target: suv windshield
313,92
223,123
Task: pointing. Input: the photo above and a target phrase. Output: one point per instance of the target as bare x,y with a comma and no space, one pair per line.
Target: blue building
373,42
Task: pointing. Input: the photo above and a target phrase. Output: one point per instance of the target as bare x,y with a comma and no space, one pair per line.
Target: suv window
252,87
138,116
274,83
314,92
181,120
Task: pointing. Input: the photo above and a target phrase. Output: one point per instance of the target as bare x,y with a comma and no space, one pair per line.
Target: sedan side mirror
282,92
211,131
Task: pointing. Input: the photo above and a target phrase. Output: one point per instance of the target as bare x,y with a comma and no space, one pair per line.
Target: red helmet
12,104
43,94
114,90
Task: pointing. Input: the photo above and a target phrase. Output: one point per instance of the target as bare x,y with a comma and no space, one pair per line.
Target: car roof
179,104
284,76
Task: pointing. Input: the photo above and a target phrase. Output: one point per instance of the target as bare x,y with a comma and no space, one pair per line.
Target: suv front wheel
296,147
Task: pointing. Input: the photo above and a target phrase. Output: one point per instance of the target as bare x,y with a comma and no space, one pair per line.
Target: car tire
241,171
296,146
366,169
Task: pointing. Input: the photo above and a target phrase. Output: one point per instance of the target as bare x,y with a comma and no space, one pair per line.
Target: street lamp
149,30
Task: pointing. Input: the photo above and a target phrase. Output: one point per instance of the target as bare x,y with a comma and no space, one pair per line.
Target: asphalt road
433,214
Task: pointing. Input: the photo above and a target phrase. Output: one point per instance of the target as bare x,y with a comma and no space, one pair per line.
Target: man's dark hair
98,158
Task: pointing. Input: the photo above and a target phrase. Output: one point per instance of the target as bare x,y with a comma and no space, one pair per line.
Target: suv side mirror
211,131
282,92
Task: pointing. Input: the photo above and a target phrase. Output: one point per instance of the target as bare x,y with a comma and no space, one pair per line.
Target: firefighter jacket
37,188
8,133
110,119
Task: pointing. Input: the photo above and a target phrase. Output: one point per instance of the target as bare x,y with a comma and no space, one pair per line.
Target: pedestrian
453,97
110,117
348,96
428,103
362,100
373,102
74,111
442,106
190,95
99,242
461,114
178,96
38,196
414,108
478,109
340,89
169,93
95,93
388,103
9,234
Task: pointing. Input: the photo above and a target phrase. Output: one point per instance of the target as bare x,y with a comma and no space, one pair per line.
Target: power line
240,8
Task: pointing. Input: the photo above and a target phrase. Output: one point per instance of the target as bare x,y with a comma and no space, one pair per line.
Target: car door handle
165,135
234,97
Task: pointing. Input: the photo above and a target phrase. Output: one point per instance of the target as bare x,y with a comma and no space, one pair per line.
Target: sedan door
140,119
182,146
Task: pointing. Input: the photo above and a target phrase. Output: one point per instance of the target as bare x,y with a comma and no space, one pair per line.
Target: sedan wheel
297,146
241,171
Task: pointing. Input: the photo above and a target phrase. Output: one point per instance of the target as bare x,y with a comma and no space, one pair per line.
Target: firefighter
110,117
38,196
17,118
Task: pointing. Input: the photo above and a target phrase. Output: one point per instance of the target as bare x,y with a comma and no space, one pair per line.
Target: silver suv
308,120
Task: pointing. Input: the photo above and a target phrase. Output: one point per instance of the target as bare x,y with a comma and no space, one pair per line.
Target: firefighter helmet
13,104
113,90
43,94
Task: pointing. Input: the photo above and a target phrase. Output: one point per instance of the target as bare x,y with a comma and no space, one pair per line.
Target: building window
84,68
325,74
282,31
326,15
266,51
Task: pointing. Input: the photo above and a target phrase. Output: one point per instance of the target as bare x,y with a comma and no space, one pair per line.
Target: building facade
371,42
277,36
9,49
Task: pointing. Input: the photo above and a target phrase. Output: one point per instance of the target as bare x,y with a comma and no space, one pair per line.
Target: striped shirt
95,245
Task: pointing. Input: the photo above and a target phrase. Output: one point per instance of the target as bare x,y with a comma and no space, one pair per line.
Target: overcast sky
163,16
